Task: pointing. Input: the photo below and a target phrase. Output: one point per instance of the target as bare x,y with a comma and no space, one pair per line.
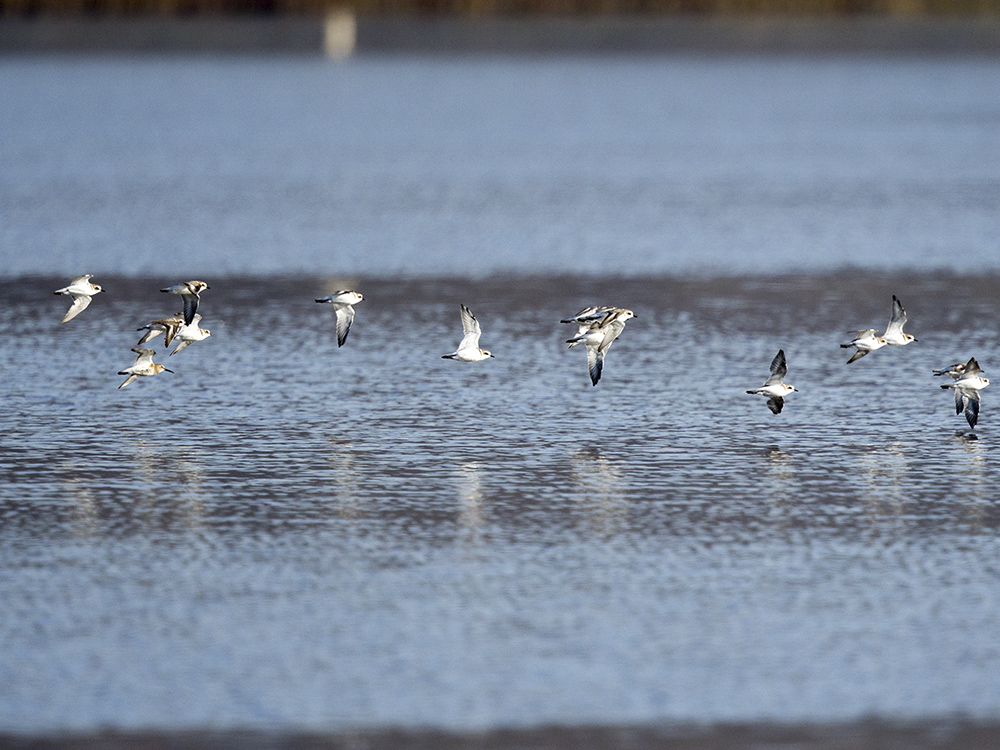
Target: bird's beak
166,370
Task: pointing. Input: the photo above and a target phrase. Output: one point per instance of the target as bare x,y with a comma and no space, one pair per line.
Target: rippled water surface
284,533
286,536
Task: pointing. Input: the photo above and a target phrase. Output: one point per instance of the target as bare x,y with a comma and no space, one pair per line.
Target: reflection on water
470,500
333,537
343,481
883,471
600,492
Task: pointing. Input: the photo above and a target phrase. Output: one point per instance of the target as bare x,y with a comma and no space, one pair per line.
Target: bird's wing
150,333
612,329
345,317
145,357
180,346
864,333
954,370
80,303
190,307
960,396
971,368
582,315
128,380
779,369
170,326
898,318
81,279
471,329
972,407
775,403
595,363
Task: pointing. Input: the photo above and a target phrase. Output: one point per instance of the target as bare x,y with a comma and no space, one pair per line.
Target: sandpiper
468,350
774,387
894,335
967,388
188,334
167,326
598,336
82,291
144,366
343,306
190,292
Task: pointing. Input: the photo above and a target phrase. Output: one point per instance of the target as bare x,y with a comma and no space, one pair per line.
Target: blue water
467,167
287,535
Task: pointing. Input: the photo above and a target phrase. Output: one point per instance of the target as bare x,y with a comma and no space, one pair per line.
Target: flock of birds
597,329
184,326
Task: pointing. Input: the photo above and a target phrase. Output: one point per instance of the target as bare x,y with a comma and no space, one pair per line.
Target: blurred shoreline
862,735
343,34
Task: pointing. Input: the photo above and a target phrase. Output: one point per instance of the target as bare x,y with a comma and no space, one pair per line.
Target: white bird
343,305
190,292
774,387
188,334
894,335
598,336
144,366
967,388
589,315
864,341
167,326
82,291
955,371
868,341
468,350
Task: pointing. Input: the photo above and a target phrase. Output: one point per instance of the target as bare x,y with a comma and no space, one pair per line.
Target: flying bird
167,326
343,306
190,292
144,366
82,291
955,371
894,335
868,341
589,315
188,334
864,341
468,350
967,387
598,336
774,387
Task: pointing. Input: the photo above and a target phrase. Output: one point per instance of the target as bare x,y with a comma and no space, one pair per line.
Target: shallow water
284,534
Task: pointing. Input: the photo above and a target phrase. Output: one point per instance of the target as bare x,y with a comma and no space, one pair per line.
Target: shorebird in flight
868,341
468,350
775,387
82,291
343,306
167,326
188,334
967,387
598,335
144,366
190,292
